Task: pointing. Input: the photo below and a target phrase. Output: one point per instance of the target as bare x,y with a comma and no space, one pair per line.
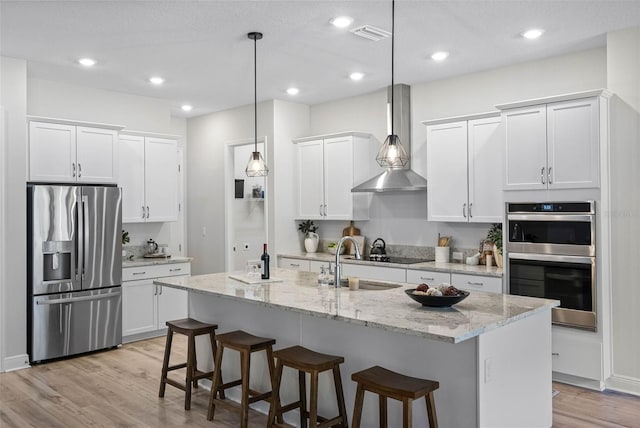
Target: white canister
442,254
489,261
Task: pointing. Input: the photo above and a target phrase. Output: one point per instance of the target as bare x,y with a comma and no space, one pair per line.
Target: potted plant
311,238
494,235
125,240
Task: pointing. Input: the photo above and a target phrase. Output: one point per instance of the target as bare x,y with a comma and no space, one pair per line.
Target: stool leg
382,404
406,412
165,364
269,352
431,410
302,389
214,352
194,365
342,411
313,400
189,377
217,381
274,407
245,369
357,407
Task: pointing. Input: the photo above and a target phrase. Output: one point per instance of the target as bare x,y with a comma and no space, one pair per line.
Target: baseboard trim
624,384
143,336
17,362
596,385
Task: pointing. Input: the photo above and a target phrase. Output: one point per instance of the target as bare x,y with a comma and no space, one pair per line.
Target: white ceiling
201,47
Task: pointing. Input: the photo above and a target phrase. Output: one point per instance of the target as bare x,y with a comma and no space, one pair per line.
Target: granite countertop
139,261
390,309
428,266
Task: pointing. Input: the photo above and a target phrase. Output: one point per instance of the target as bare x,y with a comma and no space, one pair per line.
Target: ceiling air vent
370,32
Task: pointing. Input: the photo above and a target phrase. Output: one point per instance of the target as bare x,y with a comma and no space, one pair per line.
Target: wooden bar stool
245,344
190,328
307,361
394,385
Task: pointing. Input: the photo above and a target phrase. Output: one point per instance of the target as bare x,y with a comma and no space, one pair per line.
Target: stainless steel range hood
397,180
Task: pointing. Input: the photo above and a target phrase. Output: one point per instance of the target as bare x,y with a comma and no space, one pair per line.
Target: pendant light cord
393,39
255,94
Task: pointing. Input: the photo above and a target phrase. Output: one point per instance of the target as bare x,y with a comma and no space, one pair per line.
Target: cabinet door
447,172
294,264
131,178
173,304
161,179
526,152
138,307
52,152
431,278
477,282
97,155
338,178
381,273
310,179
485,144
572,141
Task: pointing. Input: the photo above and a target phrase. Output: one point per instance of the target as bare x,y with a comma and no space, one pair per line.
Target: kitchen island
491,353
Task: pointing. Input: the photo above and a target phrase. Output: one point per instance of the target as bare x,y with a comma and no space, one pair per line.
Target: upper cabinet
149,179
552,145
328,167
63,152
464,169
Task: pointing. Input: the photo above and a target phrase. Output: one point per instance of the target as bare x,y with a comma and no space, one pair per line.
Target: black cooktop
399,260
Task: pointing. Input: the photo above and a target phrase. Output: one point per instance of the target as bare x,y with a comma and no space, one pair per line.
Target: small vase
311,242
497,256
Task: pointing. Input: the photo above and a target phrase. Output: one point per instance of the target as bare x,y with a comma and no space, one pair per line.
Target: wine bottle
265,263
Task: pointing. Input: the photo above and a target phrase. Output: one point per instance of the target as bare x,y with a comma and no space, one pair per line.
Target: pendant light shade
256,166
392,154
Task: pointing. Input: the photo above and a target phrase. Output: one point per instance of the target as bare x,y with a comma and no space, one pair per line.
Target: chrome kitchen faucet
336,278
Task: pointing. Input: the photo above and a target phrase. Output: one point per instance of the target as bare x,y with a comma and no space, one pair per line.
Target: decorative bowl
437,301
332,250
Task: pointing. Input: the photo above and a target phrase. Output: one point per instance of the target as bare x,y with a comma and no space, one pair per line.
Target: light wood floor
120,388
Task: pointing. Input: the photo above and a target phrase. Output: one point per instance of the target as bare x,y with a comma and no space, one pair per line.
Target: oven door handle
551,217
552,258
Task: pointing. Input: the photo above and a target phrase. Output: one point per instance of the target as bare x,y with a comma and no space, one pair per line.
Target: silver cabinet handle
294,265
175,270
555,354
138,273
74,169
155,290
549,176
159,290
542,175
143,212
470,206
79,170
427,279
464,210
320,209
147,211
479,284
325,210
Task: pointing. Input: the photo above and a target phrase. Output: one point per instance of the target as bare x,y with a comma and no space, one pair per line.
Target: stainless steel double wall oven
551,253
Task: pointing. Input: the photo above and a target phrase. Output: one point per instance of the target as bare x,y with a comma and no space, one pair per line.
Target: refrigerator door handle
78,245
76,299
85,231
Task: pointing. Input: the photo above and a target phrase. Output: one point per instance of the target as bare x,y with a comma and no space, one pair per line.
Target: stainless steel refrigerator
74,269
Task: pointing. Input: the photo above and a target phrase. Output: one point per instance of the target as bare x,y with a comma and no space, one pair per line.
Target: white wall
205,175
400,218
13,279
623,79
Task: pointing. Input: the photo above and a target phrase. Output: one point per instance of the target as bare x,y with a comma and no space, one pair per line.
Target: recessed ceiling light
439,56
532,34
342,21
87,62
293,91
186,107
156,80
356,75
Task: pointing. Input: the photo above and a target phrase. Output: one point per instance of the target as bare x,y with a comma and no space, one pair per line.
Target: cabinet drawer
374,272
576,357
155,271
428,277
314,266
477,283
294,264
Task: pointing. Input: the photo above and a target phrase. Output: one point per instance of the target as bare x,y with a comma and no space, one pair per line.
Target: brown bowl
437,301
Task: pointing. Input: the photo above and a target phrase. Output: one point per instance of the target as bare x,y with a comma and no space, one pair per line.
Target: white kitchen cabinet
575,355
294,264
149,179
380,273
464,164
66,153
315,266
476,282
553,145
146,307
328,167
431,278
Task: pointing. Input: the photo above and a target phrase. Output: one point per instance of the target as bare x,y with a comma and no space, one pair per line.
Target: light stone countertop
139,261
390,309
481,270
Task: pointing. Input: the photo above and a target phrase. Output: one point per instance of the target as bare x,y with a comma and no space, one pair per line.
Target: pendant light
392,154
256,166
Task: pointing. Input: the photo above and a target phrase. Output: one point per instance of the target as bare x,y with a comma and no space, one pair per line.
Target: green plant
495,235
307,226
125,237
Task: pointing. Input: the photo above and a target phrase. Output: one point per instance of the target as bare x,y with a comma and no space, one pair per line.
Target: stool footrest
202,375
177,367
329,422
291,406
231,384
176,384
258,396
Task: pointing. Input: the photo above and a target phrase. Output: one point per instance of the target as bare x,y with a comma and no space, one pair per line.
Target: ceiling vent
370,32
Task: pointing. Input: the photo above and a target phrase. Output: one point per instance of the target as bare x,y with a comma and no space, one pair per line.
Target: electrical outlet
457,255
245,246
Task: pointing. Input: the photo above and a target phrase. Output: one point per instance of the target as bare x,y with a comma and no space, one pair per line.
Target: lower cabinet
380,273
146,307
428,277
294,264
477,282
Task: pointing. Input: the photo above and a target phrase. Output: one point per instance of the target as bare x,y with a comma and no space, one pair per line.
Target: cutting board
360,241
252,280
351,230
